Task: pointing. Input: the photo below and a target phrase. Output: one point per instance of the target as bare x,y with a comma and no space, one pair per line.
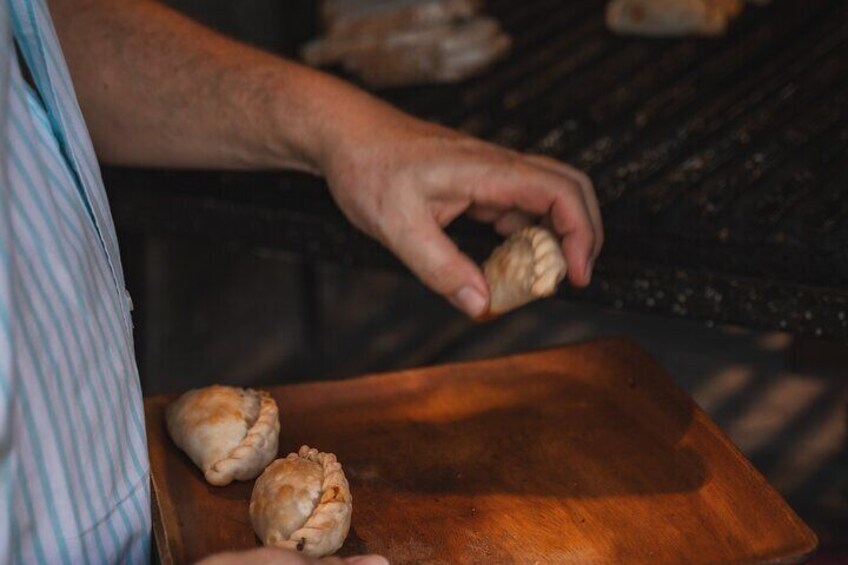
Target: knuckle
576,187
569,186
550,161
583,178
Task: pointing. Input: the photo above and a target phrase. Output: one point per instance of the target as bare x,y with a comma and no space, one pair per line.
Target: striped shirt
74,482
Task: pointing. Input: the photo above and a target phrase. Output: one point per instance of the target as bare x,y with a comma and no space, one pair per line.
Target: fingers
551,189
367,560
537,190
266,556
356,560
586,187
505,221
512,221
276,556
484,214
570,220
420,243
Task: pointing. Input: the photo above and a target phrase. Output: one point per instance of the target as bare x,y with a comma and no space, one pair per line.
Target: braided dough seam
527,266
255,451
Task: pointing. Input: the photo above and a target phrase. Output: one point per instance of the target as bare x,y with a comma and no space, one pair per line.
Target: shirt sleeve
7,457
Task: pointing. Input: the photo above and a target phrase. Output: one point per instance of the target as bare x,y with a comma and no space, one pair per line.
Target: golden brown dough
446,52
302,503
369,18
389,43
670,17
228,432
527,266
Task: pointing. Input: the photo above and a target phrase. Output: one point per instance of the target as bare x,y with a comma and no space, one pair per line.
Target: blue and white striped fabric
73,458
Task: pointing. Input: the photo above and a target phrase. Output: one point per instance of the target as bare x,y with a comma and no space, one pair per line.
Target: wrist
314,116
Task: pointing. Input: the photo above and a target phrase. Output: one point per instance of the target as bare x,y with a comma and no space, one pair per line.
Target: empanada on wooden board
302,503
582,454
229,433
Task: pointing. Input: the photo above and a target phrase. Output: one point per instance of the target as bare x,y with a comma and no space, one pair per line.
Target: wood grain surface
586,453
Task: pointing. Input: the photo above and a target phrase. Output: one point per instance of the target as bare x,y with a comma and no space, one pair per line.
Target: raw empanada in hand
230,433
303,503
527,266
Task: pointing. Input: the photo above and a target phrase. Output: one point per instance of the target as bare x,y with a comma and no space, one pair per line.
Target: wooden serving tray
587,453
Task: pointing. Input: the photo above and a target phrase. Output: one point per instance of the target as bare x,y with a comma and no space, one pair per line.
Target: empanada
303,503
446,52
669,17
729,9
230,433
527,266
368,18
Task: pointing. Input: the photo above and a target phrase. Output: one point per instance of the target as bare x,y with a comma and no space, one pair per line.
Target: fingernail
470,301
589,264
367,560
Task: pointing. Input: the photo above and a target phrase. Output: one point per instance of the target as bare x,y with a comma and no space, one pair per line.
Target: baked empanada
447,52
527,266
229,433
303,503
669,17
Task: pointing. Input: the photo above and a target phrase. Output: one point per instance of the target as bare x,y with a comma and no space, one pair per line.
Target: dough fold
302,503
229,433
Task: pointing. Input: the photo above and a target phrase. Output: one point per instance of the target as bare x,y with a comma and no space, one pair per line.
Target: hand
402,180
274,556
138,70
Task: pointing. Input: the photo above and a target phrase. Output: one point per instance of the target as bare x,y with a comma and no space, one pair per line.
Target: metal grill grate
739,140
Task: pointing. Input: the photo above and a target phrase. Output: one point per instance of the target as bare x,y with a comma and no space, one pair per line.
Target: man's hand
402,181
160,90
273,556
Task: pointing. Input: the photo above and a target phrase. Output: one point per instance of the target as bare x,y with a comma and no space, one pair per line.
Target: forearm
160,90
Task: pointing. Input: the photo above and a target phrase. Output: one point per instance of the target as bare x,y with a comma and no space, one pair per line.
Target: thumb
438,262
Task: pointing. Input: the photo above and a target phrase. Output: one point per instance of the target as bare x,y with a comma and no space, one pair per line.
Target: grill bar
705,96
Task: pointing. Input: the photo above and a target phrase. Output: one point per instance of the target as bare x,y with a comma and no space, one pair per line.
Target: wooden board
586,453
